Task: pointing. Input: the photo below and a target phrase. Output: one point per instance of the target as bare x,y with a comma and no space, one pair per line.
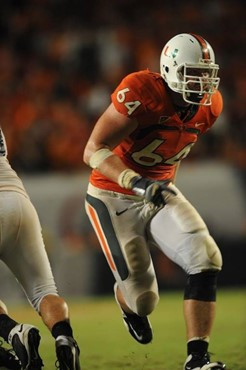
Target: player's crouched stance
132,202
22,249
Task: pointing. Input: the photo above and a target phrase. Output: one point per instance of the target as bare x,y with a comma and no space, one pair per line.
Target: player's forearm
112,167
109,165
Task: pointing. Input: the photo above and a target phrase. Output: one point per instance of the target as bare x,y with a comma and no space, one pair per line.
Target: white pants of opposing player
22,248
126,227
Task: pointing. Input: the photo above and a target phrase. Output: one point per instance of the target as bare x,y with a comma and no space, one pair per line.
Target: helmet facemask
197,81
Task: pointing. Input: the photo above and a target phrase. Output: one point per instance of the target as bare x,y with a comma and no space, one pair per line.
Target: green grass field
106,345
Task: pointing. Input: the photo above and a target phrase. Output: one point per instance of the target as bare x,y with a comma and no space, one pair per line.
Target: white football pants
22,248
126,226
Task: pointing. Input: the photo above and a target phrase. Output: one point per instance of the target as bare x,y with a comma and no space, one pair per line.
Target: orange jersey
161,139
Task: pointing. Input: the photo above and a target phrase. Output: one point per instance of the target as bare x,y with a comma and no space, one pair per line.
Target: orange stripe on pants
101,237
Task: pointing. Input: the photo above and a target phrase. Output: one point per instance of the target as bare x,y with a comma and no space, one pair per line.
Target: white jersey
9,180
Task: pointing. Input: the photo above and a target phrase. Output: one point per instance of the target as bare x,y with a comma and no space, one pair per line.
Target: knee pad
213,253
147,295
204,254
202,286
138,255
146,303
141,292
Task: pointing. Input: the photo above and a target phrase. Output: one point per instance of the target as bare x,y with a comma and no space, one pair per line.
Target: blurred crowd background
60,60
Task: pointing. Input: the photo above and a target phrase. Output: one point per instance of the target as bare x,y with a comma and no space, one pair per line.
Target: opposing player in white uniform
135,148
22,250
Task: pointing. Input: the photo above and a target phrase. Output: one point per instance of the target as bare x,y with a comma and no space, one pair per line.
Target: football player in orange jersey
135,149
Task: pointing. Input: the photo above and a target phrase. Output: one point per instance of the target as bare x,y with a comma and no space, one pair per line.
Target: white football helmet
187,64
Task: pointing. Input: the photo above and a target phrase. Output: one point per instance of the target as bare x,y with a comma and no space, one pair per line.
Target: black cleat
198,361
25,340
138,326
67,352
8,359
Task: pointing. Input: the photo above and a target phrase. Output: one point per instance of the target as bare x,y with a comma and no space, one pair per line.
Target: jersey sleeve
127,97
135,95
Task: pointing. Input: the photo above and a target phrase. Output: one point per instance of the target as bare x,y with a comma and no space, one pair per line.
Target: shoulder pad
217,104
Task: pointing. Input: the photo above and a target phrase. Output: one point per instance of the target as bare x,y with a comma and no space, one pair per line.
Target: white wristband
99,156
124,179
